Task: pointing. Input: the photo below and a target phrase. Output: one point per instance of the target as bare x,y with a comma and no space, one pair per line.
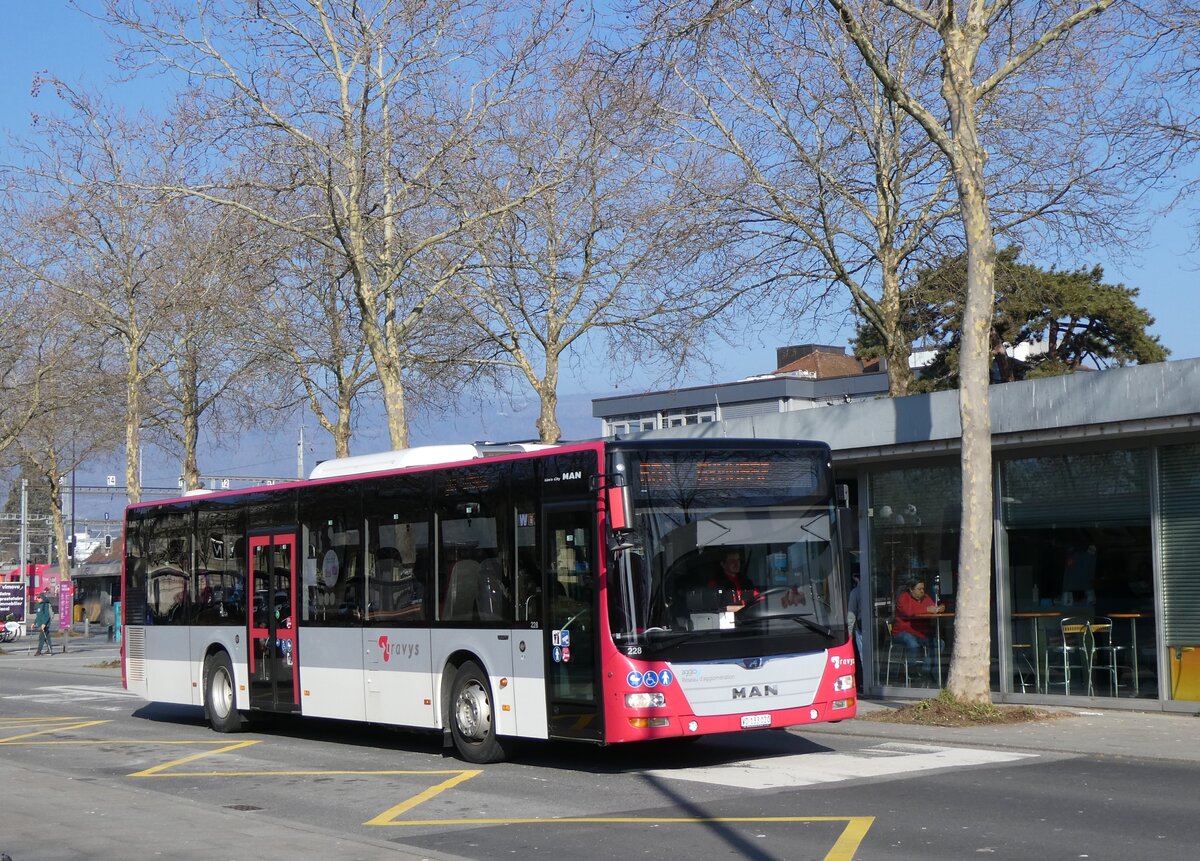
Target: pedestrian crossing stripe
814,769
73,693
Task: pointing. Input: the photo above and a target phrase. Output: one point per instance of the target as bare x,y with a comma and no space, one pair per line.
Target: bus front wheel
219,696
472,718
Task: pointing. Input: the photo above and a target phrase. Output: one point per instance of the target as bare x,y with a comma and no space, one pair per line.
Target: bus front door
571,647
272,653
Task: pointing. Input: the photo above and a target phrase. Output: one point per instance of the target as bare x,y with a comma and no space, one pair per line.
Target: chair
1104,653
1021,655
904,661
1074,650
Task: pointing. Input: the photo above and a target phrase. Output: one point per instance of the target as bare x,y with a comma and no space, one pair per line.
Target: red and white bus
606,591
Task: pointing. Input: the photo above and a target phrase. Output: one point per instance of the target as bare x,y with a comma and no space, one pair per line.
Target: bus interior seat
462,589
493,600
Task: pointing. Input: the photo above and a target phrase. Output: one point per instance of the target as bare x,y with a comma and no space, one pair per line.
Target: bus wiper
824,630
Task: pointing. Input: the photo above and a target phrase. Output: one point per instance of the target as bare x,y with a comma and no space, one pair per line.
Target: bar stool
1104,653
1073,649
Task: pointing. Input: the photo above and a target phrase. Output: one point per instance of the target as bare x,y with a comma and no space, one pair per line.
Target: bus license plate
750,721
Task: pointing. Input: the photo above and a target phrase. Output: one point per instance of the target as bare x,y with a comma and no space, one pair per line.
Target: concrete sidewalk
1075,731
74,640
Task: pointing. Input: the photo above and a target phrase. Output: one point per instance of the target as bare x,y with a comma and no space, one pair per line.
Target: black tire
472,717
219,694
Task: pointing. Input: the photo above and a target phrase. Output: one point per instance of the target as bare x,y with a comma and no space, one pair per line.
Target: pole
71,543
24,551
300,454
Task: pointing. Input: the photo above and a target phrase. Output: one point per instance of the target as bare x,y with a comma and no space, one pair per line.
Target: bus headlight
843,683
645,701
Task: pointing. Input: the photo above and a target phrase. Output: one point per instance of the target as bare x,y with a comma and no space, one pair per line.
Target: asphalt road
89,772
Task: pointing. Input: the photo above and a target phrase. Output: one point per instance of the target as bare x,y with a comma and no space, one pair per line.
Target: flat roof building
1096,586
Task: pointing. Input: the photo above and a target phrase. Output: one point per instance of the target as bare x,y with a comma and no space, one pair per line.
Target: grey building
808,376
1096,559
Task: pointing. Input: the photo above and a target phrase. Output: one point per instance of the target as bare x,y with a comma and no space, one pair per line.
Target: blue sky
50,35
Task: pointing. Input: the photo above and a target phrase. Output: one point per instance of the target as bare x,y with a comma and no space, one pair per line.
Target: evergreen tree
1072,317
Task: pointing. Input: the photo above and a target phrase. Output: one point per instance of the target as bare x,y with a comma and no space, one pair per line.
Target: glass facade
1097,592
914,521
1080,573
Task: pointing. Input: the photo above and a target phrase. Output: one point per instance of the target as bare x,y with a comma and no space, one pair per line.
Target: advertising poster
66,594
12,600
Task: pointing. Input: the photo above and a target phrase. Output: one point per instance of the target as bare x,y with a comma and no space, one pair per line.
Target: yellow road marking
56,728
388,816
314,773
844,848
225,748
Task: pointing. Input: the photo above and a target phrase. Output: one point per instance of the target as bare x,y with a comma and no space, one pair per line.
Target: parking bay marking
812,769
846,844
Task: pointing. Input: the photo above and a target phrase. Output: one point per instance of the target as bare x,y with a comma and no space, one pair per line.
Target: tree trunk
191,421
341,430
970,670
547,423
896,346
191,465
393,402
133,420
56,518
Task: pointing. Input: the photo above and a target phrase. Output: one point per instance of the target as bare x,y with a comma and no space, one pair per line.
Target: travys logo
838,661
407,650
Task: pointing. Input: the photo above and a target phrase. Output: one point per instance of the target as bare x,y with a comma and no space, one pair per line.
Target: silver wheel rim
222,692
473,712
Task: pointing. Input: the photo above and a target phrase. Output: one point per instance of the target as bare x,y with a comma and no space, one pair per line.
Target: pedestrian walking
42,621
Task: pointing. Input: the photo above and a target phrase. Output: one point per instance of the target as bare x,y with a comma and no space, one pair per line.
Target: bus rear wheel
219,696
472,718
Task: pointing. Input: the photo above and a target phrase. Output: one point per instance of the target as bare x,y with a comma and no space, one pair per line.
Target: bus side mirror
617,499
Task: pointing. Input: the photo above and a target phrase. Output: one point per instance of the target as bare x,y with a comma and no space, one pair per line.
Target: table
1037,639
1132,617
937,619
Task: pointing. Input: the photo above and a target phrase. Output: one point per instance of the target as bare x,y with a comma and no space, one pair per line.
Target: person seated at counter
913,629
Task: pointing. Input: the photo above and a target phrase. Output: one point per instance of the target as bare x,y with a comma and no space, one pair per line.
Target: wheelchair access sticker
650,678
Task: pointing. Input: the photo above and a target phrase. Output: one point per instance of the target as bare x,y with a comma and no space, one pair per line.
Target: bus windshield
733,553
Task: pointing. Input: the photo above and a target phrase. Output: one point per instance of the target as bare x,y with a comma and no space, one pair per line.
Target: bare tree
64,421
79,228
213,366
379,111
619,247
23,372
981,48
841,187
1025,106
313,320
1173,49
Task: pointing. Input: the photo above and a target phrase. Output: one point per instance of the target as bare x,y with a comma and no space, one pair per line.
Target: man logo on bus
570,476
755,691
